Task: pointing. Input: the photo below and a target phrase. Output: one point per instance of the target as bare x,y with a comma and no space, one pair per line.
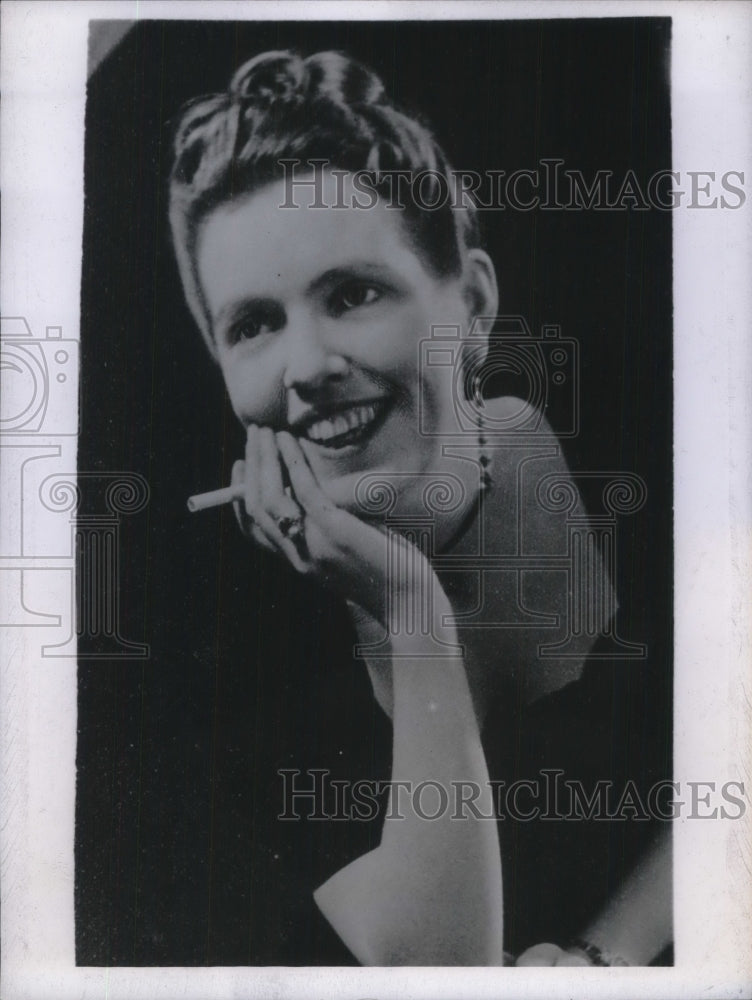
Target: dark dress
559,867
185,865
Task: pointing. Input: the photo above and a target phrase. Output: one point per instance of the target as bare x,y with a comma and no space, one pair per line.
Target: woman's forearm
431,893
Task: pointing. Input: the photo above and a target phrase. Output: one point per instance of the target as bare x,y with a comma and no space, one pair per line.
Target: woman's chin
366,494
364,479
378,481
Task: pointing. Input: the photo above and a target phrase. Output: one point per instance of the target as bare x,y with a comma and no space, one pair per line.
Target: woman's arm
431,893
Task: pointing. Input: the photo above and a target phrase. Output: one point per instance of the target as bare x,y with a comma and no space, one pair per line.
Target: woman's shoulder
516,414
507,408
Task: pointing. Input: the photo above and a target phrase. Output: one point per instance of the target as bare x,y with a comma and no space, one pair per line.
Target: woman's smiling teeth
344,427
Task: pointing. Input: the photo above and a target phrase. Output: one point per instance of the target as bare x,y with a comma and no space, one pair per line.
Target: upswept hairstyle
280,106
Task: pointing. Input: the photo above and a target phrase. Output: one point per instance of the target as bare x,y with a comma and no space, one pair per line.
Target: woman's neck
502,562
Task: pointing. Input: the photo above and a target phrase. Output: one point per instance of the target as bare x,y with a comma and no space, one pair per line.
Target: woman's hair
280,106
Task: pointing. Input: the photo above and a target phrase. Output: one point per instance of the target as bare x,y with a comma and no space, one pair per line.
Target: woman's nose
311,364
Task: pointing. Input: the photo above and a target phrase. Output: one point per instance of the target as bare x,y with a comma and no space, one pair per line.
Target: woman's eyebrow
241,307
364,269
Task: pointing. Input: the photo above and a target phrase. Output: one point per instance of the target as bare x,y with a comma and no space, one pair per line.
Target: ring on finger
290,528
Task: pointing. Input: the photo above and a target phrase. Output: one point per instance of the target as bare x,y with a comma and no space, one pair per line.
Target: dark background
177,861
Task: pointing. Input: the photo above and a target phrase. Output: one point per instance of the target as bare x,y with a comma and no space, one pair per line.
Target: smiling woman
388,800
320,334
315,310
315,314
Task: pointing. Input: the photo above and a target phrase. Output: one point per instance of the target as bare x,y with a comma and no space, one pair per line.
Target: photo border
44,61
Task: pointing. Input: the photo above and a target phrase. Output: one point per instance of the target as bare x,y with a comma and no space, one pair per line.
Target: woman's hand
634,927
344,552
548,955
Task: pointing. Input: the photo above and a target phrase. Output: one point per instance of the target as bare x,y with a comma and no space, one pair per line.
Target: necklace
486,481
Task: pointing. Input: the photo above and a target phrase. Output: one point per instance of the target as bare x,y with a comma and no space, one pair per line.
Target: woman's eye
253,325
246,330
353,295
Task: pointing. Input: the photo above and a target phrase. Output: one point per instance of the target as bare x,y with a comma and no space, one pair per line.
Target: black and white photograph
350,507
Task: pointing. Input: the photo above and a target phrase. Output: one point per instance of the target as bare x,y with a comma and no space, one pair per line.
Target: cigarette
214,498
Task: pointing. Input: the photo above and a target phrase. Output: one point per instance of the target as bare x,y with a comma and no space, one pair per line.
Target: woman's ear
481,291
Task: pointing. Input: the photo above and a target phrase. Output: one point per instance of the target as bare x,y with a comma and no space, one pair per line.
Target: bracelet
595,955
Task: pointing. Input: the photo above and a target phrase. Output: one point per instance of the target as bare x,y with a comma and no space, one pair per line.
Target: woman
317,287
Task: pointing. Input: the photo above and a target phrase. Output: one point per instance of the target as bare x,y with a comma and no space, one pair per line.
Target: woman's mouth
346,427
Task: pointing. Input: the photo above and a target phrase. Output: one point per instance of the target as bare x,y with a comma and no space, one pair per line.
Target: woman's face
317,315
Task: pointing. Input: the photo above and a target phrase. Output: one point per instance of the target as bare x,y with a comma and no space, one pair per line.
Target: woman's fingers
350,555
266,511
540,955
252,490
303,482
237,478
283,517
246,521
571,958
300,522
549,955
275,500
